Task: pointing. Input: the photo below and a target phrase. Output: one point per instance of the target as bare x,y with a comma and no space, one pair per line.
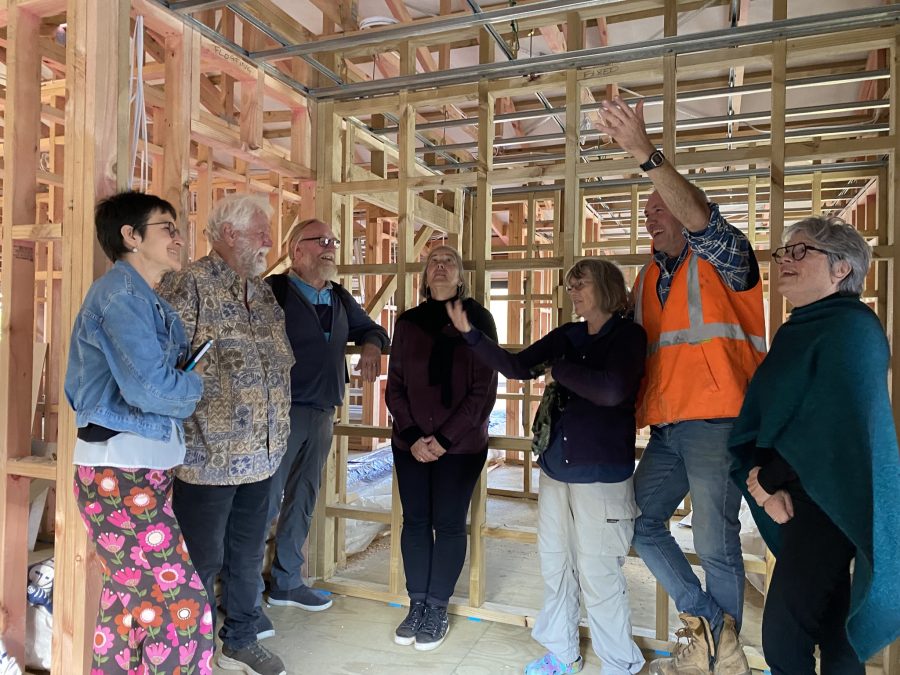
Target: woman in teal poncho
816,455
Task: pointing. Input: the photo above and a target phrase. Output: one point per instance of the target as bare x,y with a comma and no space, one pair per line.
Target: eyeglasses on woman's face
577,285
795,252
169,226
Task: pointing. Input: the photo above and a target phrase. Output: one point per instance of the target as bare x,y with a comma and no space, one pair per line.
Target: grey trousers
298,478
584,533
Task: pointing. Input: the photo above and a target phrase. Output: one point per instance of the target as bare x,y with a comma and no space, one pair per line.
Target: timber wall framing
66,144
787,166
519,220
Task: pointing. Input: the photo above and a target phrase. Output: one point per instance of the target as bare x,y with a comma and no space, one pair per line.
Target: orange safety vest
703,346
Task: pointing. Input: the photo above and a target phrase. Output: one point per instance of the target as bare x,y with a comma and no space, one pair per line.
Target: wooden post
573,203
180,91
892,188
93,146
776,166
22,132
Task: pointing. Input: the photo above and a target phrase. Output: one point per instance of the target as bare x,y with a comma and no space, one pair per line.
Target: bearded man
238,433
321,318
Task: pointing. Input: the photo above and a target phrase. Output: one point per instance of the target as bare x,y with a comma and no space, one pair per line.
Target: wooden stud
22,129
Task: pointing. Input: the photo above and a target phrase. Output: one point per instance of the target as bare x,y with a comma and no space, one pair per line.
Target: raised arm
625,125
520,366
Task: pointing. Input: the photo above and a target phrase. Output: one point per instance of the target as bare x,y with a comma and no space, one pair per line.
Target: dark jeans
435,497
224,527
809,597
298,478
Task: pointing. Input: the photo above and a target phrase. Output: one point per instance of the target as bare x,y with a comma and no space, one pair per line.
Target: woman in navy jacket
586,507
130,395
440,397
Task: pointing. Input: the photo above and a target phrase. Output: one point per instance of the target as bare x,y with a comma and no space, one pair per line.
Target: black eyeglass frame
323,241
780,253
169,225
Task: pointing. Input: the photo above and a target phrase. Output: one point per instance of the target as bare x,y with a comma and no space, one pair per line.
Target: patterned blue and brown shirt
238,432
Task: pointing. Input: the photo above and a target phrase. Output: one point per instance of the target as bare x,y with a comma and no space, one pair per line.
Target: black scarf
431,316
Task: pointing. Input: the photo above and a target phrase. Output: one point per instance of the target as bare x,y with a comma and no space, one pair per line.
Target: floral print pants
154,614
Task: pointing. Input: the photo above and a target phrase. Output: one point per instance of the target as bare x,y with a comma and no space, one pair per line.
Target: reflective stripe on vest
699,331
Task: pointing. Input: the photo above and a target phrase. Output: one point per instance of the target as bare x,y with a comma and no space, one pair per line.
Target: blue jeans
692,457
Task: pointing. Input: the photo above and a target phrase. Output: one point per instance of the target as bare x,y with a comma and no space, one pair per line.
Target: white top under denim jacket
120,378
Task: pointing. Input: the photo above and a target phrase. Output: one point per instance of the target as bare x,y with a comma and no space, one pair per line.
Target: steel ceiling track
425,28
712,175
189,6
728,37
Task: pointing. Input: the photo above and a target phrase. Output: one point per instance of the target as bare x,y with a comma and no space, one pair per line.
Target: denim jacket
118,376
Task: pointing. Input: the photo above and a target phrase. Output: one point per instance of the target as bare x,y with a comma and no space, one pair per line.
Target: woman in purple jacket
440,397
586,509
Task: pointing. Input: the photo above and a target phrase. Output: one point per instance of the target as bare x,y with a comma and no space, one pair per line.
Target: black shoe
303,597
406,631
254,658
264,627
434,629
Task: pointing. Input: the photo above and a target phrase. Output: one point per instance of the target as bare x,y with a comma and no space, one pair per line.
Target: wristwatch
656,159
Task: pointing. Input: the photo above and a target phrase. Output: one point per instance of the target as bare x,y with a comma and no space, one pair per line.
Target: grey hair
237,210
842,242
463,292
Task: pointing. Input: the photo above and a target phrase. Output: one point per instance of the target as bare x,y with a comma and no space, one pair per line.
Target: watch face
655,160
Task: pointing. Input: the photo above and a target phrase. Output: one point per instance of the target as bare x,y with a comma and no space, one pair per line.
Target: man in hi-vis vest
700,301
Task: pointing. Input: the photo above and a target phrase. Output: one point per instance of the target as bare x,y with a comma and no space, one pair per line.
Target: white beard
253,262
328,272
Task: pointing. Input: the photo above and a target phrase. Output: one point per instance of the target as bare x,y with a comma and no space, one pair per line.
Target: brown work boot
692,657
730,659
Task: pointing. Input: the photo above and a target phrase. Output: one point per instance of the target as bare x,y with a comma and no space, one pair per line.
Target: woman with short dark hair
816,455
129,395
584,435
440,397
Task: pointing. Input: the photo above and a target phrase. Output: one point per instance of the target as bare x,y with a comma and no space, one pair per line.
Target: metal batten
694,123
274,35
220,39
199,5
739,141
507,52
745,173
277,74
703,94
414,30
767,32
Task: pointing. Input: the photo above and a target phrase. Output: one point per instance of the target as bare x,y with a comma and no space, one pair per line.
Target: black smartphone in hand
197,355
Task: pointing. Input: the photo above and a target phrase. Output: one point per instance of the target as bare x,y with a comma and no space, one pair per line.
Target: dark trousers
224,527
298,478
435,498
809,597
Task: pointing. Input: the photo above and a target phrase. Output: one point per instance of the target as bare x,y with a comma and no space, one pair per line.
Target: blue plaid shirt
722,245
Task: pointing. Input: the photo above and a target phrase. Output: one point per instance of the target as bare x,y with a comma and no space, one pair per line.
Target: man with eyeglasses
321,317
700,301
